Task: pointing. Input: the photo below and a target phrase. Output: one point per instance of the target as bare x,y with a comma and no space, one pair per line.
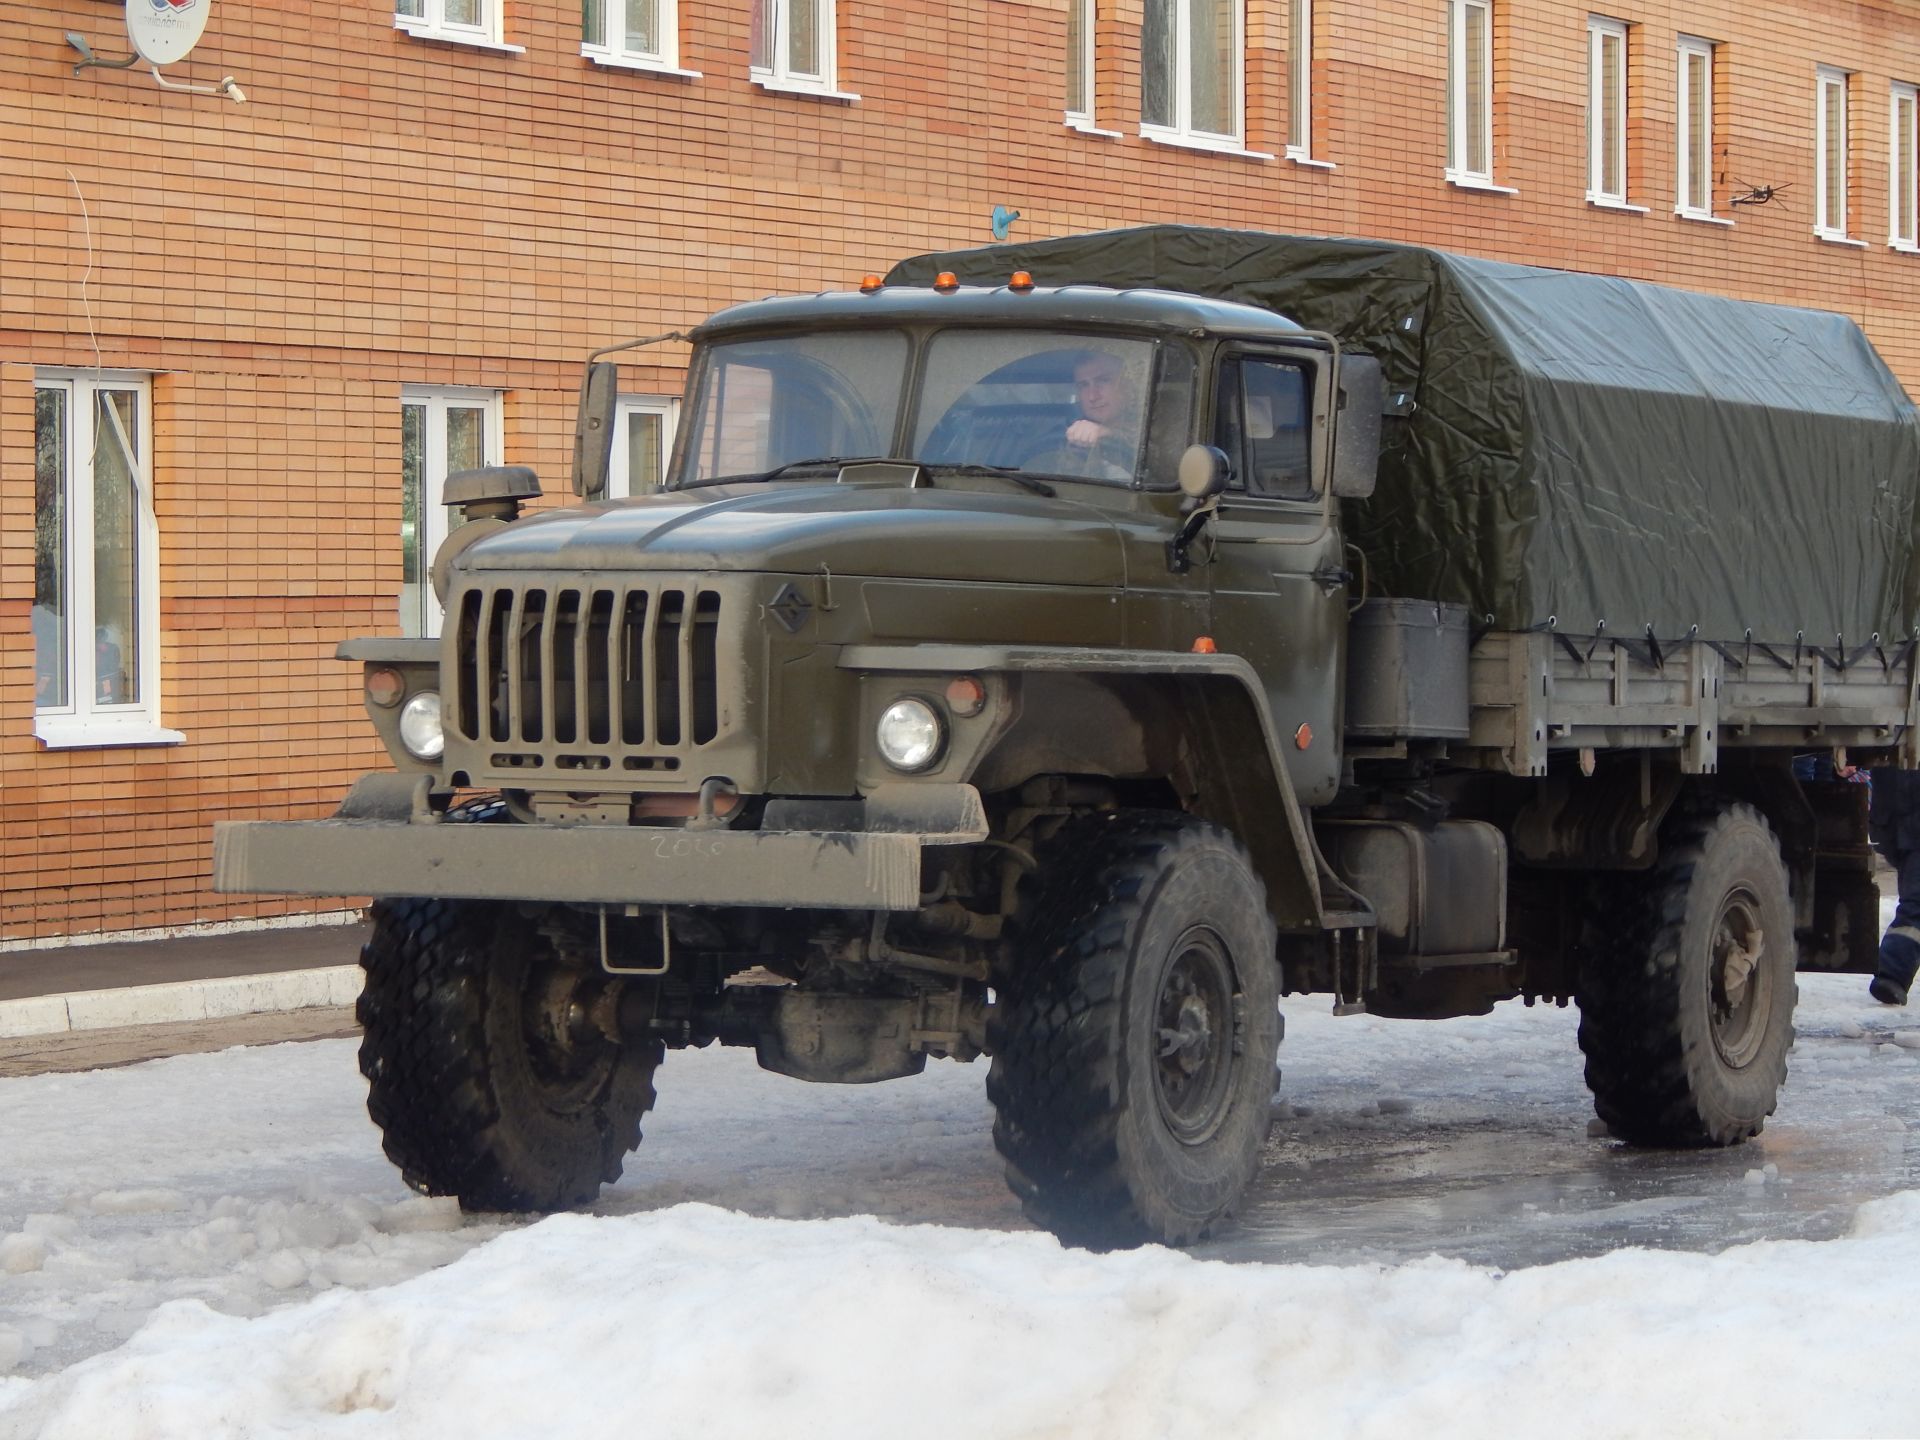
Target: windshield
773,402
1038,403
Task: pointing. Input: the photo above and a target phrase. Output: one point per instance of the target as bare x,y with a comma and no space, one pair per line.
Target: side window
1192,65
465,22
792,45
642,439
96,587
1264,422
441,431
1080,20
642,34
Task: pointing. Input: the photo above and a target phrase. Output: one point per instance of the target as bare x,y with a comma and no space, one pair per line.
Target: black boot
1893,976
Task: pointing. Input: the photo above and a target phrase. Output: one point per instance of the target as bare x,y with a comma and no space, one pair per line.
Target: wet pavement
1501,1163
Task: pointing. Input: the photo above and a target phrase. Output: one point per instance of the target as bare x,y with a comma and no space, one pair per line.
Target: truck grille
588,677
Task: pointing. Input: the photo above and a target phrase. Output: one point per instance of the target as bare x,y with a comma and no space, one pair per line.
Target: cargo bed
1531,693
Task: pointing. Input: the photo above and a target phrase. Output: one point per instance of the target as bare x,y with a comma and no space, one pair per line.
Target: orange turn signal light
1205,646
946,280
385,686
1021,281
1303,737
966,696
869,284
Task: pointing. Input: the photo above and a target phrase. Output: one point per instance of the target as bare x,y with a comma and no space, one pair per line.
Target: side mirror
1203,475
1203,472
1356,453
593,429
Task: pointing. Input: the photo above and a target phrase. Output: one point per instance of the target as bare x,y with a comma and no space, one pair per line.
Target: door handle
1332,577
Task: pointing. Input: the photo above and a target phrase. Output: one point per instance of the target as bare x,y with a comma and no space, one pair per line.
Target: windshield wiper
791,465
1007,472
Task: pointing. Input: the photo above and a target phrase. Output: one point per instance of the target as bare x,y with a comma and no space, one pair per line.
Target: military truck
1061,652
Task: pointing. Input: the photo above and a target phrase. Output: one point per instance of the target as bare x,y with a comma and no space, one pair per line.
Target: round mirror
1203,471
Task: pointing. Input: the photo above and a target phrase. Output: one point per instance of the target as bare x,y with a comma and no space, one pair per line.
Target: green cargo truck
1061,652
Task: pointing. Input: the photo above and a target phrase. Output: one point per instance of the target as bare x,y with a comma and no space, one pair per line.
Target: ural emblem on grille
791,608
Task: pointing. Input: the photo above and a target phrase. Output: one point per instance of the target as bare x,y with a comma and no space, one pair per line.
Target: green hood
854,530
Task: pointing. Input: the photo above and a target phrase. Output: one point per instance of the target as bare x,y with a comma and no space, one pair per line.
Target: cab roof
1065,306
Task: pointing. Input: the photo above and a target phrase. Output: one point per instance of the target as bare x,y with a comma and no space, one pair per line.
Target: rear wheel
488,1073
1135,1032
1687,988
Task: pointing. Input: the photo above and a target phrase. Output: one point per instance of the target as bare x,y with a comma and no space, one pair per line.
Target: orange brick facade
388,210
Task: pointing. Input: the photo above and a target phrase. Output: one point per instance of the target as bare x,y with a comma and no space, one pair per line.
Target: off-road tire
1681,1049
474,1095
1140,933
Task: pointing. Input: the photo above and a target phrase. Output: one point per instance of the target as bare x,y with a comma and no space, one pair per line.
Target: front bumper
877,868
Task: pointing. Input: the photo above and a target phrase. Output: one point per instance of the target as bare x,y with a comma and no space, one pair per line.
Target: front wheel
1687,988
1135,1032
486,1072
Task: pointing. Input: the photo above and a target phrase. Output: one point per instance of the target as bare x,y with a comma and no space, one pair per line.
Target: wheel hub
1741,998
1194,1037
566,1050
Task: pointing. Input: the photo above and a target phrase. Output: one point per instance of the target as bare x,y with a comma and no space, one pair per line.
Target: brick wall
388,210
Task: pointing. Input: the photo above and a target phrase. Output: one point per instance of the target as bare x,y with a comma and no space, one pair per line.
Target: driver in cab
1101,443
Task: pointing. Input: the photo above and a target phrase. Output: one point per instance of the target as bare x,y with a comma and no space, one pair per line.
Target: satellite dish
163,31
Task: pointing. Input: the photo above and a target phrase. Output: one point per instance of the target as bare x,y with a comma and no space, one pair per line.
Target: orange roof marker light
869,284
1021,281
1205,646
946,282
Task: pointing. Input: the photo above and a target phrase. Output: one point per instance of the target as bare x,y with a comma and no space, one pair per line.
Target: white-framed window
1470,91
1606,110
1830,153
1300,80
636,34
96,582
466,22
1080,62
793,45
1192,72
442,430
1693,180
643,429
1903,193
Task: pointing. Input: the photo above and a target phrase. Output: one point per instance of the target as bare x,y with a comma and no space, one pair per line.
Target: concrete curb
180,1000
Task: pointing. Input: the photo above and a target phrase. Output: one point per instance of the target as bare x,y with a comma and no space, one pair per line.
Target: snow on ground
213,1245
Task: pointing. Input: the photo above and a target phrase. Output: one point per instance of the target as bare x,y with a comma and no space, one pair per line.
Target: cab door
1279,584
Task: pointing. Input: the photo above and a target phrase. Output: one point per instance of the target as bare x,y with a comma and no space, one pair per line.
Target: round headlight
420,729
909,735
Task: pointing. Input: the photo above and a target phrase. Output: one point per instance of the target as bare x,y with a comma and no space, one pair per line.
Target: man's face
1097,386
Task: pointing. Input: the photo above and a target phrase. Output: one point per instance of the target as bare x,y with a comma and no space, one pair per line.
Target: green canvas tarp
1577,448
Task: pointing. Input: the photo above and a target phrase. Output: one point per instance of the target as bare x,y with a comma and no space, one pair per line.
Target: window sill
1306,161
1600,202
795,87
1461,181
64,732
1904,247
1087,127
1827,237
1699,219
451,37
1198,142
612,61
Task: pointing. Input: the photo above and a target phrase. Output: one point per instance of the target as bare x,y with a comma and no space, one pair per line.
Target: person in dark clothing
1894,826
